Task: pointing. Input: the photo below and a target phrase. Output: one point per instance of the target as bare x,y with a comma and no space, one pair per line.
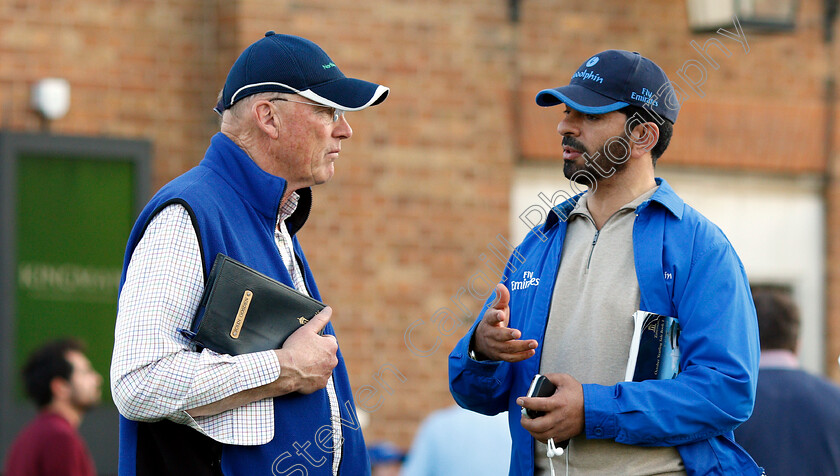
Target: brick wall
744,114
142,69
419,191
422,188
761,110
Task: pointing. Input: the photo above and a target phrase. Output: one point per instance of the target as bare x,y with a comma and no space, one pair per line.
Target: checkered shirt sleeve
155,373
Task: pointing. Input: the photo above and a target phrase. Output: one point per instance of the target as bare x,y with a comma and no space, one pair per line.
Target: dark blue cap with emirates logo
295,65
615,79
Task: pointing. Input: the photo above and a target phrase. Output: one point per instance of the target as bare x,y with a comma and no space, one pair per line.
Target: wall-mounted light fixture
51,98
513,10
756,15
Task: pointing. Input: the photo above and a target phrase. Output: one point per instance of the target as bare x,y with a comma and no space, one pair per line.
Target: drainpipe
831,193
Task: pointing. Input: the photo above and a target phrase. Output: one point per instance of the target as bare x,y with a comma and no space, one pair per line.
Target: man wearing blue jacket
564,306
186,410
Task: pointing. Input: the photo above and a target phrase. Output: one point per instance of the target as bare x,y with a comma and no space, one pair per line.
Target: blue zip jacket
686,268
233,204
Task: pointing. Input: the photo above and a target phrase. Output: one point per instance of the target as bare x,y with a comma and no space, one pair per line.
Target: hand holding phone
566,418
540,387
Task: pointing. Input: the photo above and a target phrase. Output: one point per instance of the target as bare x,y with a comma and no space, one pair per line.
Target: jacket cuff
484,371
479,368
600,409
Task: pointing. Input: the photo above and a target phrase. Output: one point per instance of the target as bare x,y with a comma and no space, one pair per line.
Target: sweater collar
664,195
260,189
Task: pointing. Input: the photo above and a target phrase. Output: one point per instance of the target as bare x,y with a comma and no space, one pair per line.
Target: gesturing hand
494,340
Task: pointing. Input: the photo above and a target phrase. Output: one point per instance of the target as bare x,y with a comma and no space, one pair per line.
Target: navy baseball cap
295,65
385,452
614,79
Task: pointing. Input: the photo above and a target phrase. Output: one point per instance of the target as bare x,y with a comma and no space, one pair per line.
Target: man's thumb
319,321
502,297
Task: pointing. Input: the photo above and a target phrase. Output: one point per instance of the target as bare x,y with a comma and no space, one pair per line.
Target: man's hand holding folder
306,359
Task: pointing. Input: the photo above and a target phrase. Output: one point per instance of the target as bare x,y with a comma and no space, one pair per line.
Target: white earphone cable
553,451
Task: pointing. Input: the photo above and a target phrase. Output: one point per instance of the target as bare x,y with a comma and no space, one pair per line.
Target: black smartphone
540,387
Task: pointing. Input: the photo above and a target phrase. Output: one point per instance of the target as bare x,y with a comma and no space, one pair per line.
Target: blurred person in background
386,459
60,381
795,426
458,441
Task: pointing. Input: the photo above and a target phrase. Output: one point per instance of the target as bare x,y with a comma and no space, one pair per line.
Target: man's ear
644,137
267,119
60,389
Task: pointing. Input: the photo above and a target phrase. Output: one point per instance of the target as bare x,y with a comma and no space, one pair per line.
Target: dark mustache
574,143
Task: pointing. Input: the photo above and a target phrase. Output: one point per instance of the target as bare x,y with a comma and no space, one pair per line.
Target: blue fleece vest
233,204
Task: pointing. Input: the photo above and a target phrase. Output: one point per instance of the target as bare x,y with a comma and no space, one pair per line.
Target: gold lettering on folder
302,320
240,316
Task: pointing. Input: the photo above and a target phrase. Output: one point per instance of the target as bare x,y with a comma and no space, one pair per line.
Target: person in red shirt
60,380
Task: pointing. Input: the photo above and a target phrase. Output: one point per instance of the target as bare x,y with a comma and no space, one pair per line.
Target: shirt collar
663,195
582,206
778,358
288,207
666,196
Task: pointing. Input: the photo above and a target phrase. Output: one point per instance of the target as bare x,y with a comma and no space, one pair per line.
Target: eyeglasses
336,115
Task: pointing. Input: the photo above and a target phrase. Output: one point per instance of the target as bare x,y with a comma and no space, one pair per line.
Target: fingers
510,350
494,340
540,404
505,339
513,347
518,356
564,410
495,318
307,359
542,427
502,334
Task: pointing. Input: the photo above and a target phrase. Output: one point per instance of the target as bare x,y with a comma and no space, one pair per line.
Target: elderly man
283,411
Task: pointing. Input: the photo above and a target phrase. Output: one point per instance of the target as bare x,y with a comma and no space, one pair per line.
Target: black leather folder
243,310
